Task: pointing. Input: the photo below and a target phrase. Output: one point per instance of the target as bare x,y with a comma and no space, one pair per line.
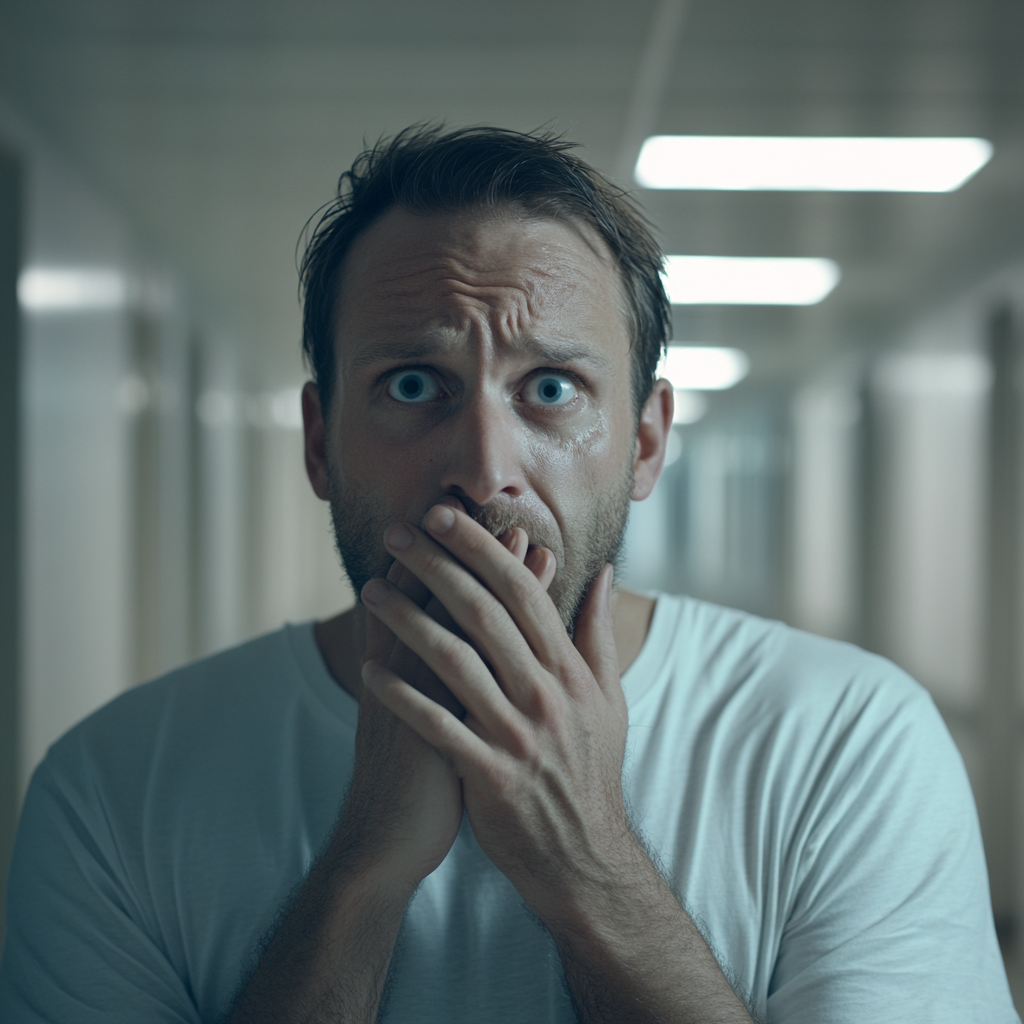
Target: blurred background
847,458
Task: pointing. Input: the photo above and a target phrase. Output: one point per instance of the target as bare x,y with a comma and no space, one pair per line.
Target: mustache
496,519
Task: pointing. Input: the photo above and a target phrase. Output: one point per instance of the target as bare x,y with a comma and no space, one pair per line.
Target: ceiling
219,126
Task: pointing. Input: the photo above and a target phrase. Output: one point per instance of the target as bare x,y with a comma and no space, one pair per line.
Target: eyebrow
544,350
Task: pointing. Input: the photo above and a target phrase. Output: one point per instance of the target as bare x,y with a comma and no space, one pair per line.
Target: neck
342,639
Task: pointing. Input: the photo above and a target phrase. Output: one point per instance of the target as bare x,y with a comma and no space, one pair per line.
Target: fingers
517,592
594,635
480,614
437,726
380,642
453,661
468,609
516,540
541,562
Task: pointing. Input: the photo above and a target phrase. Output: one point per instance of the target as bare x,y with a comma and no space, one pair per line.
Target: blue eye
551,390
413,386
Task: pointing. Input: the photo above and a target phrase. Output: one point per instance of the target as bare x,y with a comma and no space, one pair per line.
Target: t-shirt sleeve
890,918
80,946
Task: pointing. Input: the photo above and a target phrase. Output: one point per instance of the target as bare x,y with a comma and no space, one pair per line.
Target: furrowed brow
554,351
549,351
409,350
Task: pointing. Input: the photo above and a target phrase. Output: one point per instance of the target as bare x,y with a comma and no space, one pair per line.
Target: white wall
221,502
75,503
77,528
297,573
82,398
824,506
932,420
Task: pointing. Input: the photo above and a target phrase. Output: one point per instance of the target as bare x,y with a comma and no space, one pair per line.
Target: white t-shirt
803,797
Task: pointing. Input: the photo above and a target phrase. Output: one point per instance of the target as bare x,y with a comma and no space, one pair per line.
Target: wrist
375,862
595,900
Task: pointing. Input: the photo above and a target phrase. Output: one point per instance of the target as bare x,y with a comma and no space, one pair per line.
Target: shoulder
202,703
803,704
826,723
772,664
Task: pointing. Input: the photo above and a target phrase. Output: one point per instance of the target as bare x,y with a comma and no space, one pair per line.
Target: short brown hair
428,169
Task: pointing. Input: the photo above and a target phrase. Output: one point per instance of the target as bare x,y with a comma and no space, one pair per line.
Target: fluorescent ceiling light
736,162
70,288
689,407
746,280
703,367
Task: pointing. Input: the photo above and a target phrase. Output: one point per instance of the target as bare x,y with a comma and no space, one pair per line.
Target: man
499,789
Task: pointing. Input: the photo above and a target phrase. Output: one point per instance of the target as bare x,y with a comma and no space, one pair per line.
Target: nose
484,456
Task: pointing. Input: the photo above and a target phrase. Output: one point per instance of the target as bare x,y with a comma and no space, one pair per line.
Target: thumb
594,635
380,641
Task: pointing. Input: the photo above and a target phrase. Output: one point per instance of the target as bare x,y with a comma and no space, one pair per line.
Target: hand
404,798
540,749
540,752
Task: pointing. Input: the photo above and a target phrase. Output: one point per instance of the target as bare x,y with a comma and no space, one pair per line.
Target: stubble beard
593,539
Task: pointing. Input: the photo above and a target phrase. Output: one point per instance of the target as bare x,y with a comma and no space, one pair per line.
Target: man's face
483,356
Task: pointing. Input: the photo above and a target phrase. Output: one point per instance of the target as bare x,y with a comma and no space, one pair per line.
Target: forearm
329,959
632,955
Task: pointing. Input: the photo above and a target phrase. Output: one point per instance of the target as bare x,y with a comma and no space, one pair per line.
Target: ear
651,438
315,440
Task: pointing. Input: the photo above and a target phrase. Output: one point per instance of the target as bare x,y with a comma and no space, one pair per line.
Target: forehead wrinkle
458,266
457,290
445,340
435,342
451,296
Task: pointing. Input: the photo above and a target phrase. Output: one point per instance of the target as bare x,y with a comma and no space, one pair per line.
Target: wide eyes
550,390
413,386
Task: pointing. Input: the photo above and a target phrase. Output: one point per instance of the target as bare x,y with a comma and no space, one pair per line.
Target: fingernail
399,537
375,592
452,502
439,519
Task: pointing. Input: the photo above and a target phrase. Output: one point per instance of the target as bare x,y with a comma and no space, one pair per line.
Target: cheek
369,455
570,472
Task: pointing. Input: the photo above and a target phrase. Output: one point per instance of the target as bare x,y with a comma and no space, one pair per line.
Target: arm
329,958
540,757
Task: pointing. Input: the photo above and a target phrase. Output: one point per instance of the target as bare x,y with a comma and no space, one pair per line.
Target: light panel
733,162
55,289
703,367
748,280
689,407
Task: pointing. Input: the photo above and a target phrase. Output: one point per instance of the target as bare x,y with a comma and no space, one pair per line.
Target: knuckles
459,656
522,585
486,616
430,561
